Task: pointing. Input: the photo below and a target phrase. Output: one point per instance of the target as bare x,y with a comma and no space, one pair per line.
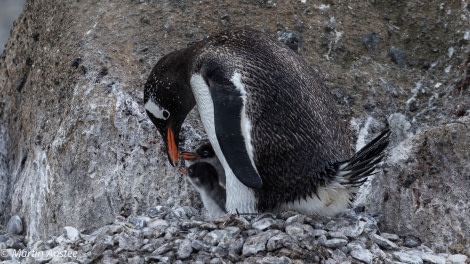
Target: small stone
337,235
127,242
276,260
398,56
185,212
147,248
410,242
220,251
457,259
159,211
333,243
407,258
371,41
184,250
391,237
257,243
298,231
139,222
264,224
383,242
237,245
233,230
135,260
292,39
197,245
15,225
214,237
71,233
429,257
116,228
318,232
276,242
163,249
295,219
358,252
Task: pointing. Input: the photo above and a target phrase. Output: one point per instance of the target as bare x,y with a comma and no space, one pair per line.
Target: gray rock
127,242
163,249
184,250
335,234
213,238
233,230
71,233
15,225
237,245
446,148
298,231
371,41
407,258
391,237
292,39
276,260
410,242
358,252
457,259
296,219
257,243
139,222
332,243
159,211
277,241
264,224
197,244
428,257
398,56
383,242
318,232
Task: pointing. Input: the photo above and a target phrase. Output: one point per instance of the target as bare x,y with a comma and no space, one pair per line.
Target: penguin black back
297,132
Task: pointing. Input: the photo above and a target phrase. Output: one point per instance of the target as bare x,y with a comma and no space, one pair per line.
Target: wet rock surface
77,149
188,239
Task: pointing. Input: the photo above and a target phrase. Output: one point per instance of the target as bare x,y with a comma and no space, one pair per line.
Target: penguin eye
166,114
205,154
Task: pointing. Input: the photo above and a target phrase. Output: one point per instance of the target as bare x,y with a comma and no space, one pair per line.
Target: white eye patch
156,110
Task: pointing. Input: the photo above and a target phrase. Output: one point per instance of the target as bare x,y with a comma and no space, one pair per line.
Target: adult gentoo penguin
272,123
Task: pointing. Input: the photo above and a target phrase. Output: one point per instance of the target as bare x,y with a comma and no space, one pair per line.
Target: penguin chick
205,153
203,176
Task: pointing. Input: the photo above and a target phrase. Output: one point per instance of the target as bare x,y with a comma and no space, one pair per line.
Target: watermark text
23,253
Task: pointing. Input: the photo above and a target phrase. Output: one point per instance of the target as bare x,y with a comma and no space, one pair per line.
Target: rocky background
77,149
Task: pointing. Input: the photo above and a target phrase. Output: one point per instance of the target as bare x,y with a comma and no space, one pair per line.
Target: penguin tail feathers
355,171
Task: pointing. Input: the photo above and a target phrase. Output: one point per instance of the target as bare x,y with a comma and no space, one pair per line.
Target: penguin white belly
334,198
240,199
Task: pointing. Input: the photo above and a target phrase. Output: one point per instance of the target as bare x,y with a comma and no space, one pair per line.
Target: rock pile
165,235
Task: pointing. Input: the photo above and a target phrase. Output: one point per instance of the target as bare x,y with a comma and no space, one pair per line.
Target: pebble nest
181,235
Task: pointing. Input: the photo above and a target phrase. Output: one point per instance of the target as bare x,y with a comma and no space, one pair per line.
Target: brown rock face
77,149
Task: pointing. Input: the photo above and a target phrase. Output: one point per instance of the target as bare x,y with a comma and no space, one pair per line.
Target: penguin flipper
230,127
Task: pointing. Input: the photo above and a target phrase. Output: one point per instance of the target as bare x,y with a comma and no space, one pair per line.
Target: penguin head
168,99
203,175
205,151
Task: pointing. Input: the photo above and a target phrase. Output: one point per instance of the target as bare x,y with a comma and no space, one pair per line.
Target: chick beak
189,155
183,170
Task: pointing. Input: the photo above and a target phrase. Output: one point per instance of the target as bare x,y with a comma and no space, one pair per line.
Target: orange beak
172,147
183,170
189,155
